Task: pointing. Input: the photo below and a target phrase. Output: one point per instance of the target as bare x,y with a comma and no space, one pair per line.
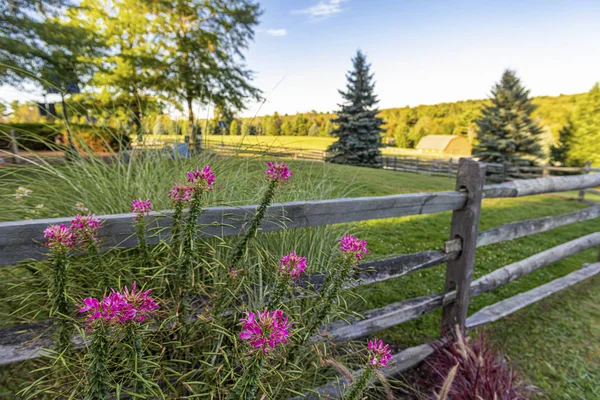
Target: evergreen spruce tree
358,127
559,151
506,132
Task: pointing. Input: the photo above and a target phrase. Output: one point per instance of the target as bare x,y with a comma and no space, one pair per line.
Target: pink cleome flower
278,171
119,308
180,193
379,354
59,237
204,179
292,265
350,244
85,228
264,330
141,206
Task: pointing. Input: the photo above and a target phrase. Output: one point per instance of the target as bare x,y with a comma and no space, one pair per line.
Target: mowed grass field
287,142
556,343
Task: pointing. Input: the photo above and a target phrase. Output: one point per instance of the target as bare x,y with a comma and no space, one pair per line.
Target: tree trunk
195,144
137,120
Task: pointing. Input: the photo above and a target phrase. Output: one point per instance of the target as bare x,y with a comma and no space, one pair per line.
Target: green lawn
555,342
287,142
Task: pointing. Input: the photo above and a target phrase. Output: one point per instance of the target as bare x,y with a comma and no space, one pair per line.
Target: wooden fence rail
18,242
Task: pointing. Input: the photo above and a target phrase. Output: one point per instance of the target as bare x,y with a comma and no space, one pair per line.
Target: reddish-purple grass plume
482,373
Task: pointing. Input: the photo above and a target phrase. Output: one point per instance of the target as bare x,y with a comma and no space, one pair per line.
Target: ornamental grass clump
468,369
59,239
265,333
379,357
142,208
117,317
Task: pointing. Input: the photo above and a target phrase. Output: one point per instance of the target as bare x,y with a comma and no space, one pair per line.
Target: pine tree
358,127
559,151
506,133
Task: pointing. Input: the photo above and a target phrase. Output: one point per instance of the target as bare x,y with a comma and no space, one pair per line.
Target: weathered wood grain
528,227
508,306
528,187
20,240
465,223
509,273
380,319
400,362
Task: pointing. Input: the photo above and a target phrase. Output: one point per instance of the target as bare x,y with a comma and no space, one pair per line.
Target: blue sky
422,52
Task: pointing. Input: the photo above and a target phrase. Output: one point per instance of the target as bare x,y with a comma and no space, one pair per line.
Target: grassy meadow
555,342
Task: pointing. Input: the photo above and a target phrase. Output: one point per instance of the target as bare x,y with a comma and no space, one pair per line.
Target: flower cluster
264,330
292,265
351,245
181,193
59,237
203,180
141,206
379,354
278,171
84,228
119,308
22,192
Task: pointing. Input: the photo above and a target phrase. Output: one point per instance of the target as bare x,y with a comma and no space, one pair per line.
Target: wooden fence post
395,162
545,171
586,170
450,169
465,222
417,165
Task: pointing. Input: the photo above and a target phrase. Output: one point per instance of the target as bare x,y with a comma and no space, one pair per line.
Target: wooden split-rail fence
20,241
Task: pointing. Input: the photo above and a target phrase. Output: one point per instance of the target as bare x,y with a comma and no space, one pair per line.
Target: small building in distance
445,144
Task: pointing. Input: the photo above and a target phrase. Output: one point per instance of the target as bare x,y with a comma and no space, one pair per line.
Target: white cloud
323,9
277,32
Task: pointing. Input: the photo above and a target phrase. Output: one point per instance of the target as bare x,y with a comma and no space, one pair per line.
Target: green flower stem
240,248
97,373
327,299
333,285
246,387
94,254
145,260
185,271
282,287
177,222
61,306
360,385
136,359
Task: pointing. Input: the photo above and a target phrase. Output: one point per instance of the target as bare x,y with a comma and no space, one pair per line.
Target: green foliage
586,137
38,137
506,131
560,150
208,38
38,46
359,128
